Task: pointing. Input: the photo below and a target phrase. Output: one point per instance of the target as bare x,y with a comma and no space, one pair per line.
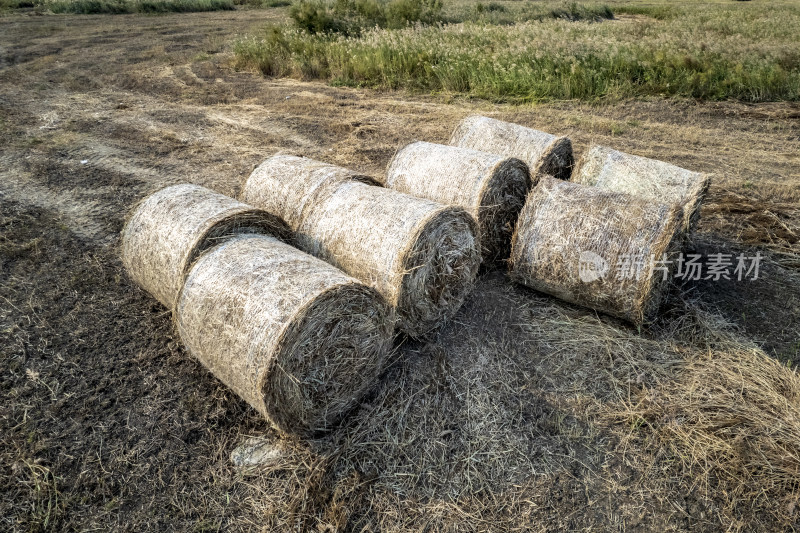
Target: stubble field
524,414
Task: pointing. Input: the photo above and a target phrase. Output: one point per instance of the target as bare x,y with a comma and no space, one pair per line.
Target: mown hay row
544,153
651,179
171,227
295,337
421,256
491,187
596,248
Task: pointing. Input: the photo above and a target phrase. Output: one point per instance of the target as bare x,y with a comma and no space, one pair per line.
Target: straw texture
596,248
296,338
544,153
651,179
421,256
491,187
171,227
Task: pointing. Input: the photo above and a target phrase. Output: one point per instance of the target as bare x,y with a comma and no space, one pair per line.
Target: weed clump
352,17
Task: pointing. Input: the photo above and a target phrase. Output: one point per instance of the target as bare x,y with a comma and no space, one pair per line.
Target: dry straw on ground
491,187
730,421
544,153
171,227
651,179
420,255
295,337
596,248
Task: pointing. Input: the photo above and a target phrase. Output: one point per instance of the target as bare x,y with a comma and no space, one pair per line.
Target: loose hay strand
170,228
544,153
491,187
420,255
654,180
298,339
564,224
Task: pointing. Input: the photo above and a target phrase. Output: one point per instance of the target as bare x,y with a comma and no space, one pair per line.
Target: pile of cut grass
88,7
735,51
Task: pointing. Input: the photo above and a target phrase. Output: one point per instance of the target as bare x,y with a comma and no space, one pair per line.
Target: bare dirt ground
106,423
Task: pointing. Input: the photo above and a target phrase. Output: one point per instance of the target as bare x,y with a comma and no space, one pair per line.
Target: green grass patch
86,7
719,51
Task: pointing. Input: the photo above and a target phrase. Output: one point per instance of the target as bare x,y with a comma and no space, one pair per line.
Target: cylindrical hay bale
596,248
651,179
544,153
171,227
288,186
298,339
491,187
421,256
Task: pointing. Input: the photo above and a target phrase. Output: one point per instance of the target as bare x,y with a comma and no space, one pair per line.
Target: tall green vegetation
745,51
86,7
352,17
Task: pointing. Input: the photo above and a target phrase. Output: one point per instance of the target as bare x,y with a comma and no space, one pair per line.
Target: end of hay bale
557,159
439,267
490,187
169,229
295,337
501,202
596,248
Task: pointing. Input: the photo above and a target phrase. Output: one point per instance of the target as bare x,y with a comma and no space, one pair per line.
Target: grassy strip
86,7
716,52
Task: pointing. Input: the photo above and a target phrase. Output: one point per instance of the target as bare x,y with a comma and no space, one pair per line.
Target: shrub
400,13
574,11
491,7
352,17
314,17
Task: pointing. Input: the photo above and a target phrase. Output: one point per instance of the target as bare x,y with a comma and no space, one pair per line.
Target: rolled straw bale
421,256
276,186
654,180
298,339
566,228
491,187
171,227
544,153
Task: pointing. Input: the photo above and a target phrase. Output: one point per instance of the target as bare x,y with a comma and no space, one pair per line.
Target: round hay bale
276,187
421,256
171,227
490,187
296,338
651,179
544,153
596,248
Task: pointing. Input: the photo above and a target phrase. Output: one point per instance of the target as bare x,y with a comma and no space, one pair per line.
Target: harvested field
525,413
